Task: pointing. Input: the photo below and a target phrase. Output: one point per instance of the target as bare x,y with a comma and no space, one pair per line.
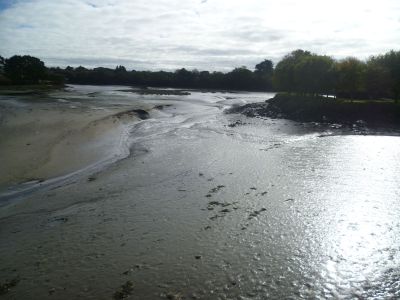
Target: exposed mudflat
193,203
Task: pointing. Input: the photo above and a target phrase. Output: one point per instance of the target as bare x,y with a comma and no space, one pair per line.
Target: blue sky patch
4,4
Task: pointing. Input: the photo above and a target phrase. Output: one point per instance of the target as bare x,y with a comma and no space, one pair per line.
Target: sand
54,137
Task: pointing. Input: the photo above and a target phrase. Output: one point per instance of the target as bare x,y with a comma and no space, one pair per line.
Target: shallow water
205,209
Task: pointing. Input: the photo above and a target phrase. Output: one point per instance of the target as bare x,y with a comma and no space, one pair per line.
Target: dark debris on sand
6,286
124,291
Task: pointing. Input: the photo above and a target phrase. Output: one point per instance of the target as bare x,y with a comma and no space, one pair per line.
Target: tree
391,61
350,77
2,62
184,78
263,75
265,67
24,69
240,78
314,74
120,69
377,79
284,77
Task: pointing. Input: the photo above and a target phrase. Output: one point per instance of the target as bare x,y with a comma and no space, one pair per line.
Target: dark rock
174,296
124,291
140,113
7,285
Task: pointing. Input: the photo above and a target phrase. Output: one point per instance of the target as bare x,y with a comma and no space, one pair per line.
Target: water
204,209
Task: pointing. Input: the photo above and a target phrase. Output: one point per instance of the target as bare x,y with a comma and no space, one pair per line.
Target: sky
195,34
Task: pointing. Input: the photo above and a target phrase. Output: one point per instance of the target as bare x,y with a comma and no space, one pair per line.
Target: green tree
265,67
350,81
391,61
314,74
120,69
24,69
240,78
2,62
284,75
377,80
263,74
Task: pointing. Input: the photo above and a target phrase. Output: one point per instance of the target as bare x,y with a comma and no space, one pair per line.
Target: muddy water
213,206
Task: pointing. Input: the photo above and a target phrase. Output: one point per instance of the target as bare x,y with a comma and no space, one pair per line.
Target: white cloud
213,34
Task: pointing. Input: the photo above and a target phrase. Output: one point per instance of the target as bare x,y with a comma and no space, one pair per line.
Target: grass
29,89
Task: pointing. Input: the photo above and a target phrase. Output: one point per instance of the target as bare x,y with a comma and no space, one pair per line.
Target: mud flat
52,135
209,205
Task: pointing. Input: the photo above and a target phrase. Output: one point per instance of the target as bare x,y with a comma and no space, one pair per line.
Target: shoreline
372,117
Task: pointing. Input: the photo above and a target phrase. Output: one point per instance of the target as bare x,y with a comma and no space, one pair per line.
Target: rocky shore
369,113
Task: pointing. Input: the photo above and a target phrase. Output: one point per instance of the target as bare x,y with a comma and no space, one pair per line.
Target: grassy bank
29,89
330,110
374,113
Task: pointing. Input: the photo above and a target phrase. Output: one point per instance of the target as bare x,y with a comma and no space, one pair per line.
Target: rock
7,285
161,107
127,272
214,203
124,291
216,189
52,291
140,113
256,213
174,296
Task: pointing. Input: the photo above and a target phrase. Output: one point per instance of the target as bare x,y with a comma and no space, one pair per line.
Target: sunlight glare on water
362,241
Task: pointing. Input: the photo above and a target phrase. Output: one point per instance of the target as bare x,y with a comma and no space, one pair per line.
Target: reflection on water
363,241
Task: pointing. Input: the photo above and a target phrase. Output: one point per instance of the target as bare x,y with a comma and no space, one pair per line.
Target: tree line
300,72
30,70
304,72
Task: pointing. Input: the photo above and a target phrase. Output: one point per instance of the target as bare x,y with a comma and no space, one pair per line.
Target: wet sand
48,137
213,206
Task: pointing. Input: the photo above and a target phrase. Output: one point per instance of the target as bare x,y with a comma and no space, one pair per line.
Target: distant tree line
300,72
238,79
30,70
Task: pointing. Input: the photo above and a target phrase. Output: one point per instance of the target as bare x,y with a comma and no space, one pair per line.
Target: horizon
203,34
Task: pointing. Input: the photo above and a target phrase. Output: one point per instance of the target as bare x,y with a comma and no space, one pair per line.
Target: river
191,203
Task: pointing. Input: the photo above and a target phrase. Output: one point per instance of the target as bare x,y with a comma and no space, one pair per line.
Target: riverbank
369,113
30,89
